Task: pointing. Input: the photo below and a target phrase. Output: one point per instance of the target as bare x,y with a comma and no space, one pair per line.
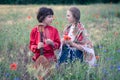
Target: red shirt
48,50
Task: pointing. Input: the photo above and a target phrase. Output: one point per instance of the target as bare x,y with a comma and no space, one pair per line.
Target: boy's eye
50,16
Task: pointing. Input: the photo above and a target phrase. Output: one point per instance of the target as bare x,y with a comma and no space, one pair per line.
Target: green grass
101,21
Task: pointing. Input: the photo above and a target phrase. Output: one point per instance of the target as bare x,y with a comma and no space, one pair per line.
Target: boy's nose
52,18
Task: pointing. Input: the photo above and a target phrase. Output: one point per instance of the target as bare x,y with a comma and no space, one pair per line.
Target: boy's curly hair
43,12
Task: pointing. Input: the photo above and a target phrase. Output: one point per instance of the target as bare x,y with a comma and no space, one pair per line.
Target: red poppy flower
40,78
56,23
96,16
66,37
29,17
116,33
13,66
54,17
97,57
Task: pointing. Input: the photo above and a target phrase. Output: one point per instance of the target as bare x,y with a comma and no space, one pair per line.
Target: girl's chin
69,22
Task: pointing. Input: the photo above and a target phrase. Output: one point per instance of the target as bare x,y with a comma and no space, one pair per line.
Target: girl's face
70,17
48,20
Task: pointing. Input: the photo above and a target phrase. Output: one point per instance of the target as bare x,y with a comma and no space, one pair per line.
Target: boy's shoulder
52,27
34,28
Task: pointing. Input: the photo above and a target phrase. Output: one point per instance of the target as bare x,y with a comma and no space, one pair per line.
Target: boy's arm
32,44
56,40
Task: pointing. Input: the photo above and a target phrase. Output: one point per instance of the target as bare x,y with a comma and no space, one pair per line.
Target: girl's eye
68,15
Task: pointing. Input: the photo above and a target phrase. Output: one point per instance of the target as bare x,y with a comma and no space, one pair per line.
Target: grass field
102,22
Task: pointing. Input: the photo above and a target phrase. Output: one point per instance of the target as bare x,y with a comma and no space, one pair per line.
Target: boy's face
48,20
70,17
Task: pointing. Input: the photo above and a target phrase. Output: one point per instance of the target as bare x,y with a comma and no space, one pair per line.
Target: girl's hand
63,41
69,42
66,40
40,45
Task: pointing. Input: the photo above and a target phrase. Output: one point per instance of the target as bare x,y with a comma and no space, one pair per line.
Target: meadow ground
102,22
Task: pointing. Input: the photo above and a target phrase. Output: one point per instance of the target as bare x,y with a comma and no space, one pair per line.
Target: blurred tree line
56,1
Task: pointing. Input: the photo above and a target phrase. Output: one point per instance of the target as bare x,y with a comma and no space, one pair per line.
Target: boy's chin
49,23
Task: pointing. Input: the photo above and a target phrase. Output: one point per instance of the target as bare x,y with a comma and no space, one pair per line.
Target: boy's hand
49,41
40,45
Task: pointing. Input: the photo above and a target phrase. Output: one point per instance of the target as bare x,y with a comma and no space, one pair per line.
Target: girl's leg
79,55
64,54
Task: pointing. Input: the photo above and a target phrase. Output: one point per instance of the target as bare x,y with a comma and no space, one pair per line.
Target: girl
76,43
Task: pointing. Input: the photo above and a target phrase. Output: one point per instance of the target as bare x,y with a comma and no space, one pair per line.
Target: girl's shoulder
67,26
66,29
81,26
